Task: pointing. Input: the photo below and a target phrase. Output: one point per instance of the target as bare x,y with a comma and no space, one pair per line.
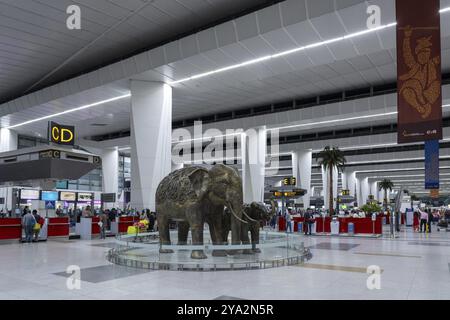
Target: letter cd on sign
61,134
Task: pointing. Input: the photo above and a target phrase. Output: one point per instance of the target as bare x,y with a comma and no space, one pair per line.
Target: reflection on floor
414,267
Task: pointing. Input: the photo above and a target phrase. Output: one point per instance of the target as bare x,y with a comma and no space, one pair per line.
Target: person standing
430,219
288,222
102,224
28,222
87,213
38,225
308,220
423,220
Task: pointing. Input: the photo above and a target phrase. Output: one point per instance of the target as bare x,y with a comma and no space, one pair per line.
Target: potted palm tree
385,184
330,158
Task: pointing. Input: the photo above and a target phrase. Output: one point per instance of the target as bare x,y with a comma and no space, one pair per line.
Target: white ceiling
34,39
358,62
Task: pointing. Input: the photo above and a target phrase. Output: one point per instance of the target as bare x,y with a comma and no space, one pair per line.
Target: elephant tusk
248,217
235,215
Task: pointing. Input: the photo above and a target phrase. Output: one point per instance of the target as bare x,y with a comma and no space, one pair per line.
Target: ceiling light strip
283,53
70,111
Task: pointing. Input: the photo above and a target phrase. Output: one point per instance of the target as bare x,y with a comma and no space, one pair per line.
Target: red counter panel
95,226
58,227
10,229
124,223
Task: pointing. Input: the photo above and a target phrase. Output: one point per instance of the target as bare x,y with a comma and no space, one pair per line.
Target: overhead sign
50,154
29,194
345,192
288,193
61,134
290,181
67,196
418,71
108,197
85,197
432,164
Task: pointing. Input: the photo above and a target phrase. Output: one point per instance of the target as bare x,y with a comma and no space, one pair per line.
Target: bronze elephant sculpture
195,195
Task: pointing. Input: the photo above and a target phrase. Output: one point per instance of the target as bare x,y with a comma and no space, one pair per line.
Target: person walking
28,222
423,220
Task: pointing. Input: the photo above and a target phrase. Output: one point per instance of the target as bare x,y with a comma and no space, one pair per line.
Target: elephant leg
183,231
216,237
245,239
255,238
196,220
164,233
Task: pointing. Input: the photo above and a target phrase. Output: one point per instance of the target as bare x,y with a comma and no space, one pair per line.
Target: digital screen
49,196
62,185
29,194
67,196
87,197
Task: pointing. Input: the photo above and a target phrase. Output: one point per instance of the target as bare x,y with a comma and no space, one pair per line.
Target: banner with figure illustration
419,70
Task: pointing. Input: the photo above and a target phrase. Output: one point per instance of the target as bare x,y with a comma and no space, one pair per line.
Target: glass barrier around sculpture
274,249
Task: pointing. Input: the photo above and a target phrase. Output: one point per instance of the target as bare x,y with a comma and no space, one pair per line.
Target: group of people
426,218
31,223
309,220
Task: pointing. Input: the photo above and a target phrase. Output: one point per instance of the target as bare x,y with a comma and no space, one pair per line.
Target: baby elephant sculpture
254,214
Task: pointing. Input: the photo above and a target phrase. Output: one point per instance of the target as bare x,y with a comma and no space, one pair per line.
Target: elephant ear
200,181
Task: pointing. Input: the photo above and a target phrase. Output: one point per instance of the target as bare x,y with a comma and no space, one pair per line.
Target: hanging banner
432,164
418,70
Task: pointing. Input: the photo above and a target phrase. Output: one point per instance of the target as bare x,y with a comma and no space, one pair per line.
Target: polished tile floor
413,266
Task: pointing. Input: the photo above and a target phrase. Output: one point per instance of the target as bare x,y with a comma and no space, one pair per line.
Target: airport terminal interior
225,150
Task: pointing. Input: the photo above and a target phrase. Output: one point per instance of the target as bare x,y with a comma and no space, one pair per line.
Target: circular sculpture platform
142,251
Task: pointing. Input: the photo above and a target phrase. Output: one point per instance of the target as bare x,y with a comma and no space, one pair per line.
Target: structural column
349,181
151,140
110,173
8,140
301,170
363,191
253,149
374,190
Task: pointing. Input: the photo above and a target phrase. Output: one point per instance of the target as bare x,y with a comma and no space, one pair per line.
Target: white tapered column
253,148
349,181
301,170
151,135
8,140
110,173
364,190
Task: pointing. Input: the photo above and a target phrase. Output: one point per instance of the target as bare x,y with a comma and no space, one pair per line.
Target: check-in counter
361,225
121,224
88,228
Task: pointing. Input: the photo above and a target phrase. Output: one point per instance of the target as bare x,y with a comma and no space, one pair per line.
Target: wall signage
418,70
